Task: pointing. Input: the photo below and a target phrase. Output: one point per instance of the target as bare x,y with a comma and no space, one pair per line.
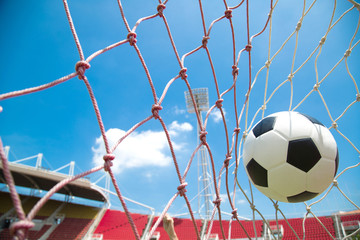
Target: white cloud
179,111
175,127
139,149
241,201
224,197
148,175
216,115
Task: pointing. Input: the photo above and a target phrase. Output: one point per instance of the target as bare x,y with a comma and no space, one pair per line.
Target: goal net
129,64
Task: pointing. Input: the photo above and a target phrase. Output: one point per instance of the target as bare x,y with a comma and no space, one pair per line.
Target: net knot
290,77
202,136
237,130
22,224
334,125
228,13
276,206
347,53
267,64
263,107
234,213
245,133
357,99
298,26
155,110
160,8
218,103
217,202
322,41
131,37
335,183
205,41
248,47
182,73
316,86
108,158
252,206
182,189
80,68
308,209
235,70
227,160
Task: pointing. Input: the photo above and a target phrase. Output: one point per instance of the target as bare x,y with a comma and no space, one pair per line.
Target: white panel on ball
293,125
287,180
272,194
319,177
325,142
271,146
248,148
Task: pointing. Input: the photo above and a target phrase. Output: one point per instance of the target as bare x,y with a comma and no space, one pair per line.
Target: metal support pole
71,168
39,160
7,149
201,99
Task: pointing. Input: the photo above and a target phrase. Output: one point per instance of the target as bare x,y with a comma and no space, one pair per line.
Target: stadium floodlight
201,98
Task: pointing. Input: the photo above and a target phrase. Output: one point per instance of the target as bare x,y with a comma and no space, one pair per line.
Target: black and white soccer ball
290,157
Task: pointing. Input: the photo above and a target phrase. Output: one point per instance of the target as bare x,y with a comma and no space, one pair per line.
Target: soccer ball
290,157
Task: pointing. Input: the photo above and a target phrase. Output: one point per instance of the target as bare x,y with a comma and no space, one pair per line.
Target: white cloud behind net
139,149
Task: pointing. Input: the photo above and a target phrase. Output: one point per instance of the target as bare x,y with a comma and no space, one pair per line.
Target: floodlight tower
205,192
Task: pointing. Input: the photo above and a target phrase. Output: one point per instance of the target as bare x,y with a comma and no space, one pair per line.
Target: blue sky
37,47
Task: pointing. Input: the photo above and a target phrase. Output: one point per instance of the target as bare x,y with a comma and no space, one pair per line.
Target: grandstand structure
69,220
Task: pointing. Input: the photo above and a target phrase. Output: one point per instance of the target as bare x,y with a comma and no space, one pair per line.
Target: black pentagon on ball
313,120
257,173
302,197
265,125
336,162
303,154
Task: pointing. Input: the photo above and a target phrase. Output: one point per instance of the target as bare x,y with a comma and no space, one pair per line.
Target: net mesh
304,79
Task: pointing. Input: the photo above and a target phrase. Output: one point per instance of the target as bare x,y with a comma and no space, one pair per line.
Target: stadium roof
37,178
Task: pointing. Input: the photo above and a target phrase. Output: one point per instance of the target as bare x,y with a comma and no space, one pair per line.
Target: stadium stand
351,216
216,228
236,230
64,220
350,222
6,203
5,234
75,220
115,225
56,220
313,228
71,228
184,228
79,211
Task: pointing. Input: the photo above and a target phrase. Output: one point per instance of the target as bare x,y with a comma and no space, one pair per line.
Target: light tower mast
205,191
